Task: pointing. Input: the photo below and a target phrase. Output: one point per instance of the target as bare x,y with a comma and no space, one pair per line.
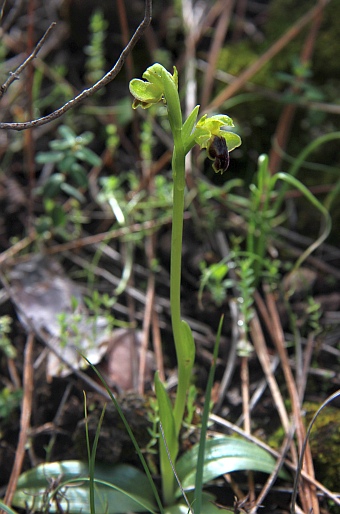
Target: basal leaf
120,488
224,455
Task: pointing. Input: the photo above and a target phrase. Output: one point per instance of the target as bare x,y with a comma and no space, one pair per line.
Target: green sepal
145,93
157,85
233,140
188,130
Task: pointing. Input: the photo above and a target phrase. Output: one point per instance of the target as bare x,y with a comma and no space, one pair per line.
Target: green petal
214,123
233,140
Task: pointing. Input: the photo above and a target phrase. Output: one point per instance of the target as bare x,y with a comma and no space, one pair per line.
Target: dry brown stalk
149,307
219,37
157,344
308,495
247,418
262,354
292,466
26,409
287,116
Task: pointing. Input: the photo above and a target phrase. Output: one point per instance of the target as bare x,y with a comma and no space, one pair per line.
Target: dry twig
93,89
26,409
307,492
16,74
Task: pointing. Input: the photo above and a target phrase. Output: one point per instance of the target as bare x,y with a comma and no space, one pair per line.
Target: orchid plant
209,133
124,488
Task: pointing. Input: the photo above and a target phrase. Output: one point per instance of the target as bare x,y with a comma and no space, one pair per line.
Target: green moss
325,444
234,59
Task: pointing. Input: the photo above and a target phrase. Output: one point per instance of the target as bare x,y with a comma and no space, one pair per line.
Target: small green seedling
67,154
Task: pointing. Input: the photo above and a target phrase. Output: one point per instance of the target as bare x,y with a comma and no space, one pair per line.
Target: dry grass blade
219,37
149,307
262,354
286,120
325,403
307,492
26,409
292,466
287,443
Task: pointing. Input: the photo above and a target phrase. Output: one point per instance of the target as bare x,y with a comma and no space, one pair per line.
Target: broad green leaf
208,506
120,488
60,144
189,347
85,138
66,164
224,455
166,417
58,216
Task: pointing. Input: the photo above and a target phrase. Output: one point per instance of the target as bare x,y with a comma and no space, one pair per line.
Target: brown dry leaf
120,367
42,292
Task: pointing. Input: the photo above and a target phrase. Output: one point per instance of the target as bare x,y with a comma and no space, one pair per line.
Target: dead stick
15,74
96,87
307,493
26,409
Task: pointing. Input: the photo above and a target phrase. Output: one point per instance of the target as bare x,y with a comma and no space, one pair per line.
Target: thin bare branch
15,75
96,87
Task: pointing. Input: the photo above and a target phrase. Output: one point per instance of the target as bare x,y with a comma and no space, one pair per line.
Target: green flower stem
184,345
175,286
159,85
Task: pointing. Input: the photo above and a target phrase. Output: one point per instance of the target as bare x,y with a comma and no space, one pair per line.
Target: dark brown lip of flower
218,152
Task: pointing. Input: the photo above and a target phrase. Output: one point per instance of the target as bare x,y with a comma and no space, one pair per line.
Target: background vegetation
85,227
